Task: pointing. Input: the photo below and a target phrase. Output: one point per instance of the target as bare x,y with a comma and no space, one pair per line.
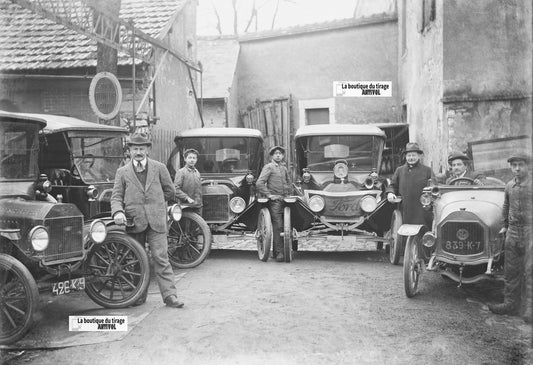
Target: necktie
139,167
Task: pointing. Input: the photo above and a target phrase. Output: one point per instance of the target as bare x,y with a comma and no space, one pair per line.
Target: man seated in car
459,169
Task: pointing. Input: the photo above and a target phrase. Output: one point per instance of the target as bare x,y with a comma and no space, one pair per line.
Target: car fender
12,234
410,229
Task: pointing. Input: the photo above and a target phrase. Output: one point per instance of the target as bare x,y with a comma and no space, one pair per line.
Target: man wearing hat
518,263
458,164
274,183
142,188
187,181
408,181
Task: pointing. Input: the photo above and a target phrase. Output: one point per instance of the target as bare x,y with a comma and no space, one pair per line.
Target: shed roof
221,132
339,130
218,56
30,41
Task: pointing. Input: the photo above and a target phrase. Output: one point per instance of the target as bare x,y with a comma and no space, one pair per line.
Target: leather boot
503,308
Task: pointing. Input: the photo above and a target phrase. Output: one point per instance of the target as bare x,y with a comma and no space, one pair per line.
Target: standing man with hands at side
408,181
142,188
274,183
187,181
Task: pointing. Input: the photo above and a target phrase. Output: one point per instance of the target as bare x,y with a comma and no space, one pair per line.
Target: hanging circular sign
105,95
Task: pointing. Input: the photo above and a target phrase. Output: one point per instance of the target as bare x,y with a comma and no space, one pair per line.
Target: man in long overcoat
142,188
408,181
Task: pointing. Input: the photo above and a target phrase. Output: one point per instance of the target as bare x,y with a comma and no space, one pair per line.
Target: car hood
485,204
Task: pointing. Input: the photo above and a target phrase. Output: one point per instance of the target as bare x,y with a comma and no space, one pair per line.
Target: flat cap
276,148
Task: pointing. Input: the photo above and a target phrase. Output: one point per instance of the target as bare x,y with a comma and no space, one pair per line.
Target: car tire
412,266
189,241
18,289
395,240
127,261
264,234
287,235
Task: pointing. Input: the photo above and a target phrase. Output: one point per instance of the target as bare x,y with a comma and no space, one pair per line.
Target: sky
290,13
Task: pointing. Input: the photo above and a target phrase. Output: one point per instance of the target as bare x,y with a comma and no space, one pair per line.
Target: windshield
225,154
97,158
362,153
19,149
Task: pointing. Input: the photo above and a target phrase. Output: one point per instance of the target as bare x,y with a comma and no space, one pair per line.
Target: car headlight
250,178
368,204
428,239
237,204
175,212
340,170
92,192
425,199
306,177
316,203
369,183
97,231
39,238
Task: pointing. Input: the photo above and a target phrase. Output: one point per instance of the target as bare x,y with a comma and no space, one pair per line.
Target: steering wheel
461,181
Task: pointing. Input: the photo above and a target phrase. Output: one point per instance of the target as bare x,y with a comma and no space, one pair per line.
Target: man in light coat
142,188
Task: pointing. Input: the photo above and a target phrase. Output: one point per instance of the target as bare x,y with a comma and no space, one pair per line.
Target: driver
458,164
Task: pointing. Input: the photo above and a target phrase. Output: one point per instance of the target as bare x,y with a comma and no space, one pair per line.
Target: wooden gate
274,119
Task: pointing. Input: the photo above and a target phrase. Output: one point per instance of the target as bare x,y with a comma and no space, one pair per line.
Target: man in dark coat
408,181
518,265
142,188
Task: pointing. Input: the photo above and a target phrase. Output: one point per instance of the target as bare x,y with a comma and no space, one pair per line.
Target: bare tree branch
252,15
219,25
274,15
235,17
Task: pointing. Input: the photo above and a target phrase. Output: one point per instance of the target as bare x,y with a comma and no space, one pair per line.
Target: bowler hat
139,139
276,148
412,147
520,156
457,156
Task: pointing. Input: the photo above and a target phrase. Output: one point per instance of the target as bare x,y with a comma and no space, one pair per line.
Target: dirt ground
323,308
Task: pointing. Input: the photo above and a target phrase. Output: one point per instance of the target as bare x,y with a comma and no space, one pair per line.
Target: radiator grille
66,238
462,238
215,208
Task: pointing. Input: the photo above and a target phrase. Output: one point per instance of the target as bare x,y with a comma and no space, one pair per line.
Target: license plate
68,286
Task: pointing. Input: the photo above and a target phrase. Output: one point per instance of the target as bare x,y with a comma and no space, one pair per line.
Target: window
428,13
316,111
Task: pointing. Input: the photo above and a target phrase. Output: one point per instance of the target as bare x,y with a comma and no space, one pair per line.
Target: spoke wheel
287,235
412,266
189,241
19,298
395,240
118,271
264,234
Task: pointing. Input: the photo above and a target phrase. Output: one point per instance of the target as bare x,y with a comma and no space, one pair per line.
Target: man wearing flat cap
142,188
274,183
518,265
408,181
459,170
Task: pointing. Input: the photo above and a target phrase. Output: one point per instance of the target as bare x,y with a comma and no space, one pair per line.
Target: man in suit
458,163
408,181
142,188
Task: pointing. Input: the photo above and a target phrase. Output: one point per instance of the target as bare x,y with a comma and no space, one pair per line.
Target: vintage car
229,161
463,244
47,245
338,187
81,159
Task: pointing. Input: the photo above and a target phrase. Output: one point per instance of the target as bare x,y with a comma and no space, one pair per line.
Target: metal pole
133,77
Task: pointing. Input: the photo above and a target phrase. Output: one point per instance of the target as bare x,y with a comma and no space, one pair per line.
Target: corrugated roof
219,58
29,42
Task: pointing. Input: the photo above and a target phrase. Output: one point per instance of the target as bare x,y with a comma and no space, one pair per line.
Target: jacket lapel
151,173
130,173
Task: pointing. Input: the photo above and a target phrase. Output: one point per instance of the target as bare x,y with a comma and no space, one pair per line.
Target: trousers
276,215
162,268
518,268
